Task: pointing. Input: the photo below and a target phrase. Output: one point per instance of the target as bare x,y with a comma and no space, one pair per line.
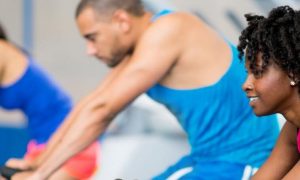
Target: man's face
103,38
270,91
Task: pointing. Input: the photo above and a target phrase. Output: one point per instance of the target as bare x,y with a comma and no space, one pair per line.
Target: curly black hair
276,37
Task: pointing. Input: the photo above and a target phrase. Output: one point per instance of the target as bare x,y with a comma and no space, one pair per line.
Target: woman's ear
122,19
292,83
293,80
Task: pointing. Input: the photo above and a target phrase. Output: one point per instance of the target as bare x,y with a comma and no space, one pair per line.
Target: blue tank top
44,104
161,13
218,120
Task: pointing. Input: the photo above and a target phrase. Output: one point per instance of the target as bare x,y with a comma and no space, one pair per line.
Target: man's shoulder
170,23
176,21
174,17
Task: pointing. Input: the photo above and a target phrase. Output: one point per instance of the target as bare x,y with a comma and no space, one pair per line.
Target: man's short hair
2,33
106,7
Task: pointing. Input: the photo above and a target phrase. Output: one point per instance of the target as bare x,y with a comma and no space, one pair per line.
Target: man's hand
7,172
19,164
24,175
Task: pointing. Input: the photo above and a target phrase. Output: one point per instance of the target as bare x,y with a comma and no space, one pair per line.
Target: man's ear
123,20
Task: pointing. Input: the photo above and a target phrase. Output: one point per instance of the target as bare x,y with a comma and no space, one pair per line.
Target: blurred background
145,138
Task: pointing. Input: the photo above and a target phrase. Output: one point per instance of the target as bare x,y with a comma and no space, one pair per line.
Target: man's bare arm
59,133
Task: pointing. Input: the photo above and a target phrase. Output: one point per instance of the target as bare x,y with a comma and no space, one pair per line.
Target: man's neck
141,24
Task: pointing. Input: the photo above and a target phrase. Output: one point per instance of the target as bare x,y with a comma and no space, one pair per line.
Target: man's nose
91,49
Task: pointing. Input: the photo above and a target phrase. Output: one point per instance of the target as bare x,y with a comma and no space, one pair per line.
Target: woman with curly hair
272,51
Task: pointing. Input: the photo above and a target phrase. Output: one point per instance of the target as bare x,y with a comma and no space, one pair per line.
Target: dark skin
271,92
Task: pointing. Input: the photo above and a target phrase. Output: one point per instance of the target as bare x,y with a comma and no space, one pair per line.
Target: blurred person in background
27,87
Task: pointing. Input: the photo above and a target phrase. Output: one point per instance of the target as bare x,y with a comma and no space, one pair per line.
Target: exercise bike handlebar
8,172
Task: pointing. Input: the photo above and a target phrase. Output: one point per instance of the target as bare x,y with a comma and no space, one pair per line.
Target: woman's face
269,92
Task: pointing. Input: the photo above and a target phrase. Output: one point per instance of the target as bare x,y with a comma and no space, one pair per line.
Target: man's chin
113,64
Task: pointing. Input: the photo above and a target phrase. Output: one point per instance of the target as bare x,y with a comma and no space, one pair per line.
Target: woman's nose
248,85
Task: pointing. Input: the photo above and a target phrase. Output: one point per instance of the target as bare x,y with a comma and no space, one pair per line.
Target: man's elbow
98,114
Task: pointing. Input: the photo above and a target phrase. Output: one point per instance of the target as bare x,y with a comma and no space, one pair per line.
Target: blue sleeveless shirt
44,104
218,120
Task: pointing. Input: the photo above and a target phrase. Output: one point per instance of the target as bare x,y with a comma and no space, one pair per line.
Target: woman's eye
258,74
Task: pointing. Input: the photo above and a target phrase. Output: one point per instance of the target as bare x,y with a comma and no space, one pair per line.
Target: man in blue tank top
180,62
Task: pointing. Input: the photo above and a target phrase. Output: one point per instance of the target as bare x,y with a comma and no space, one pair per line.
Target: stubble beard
118,57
